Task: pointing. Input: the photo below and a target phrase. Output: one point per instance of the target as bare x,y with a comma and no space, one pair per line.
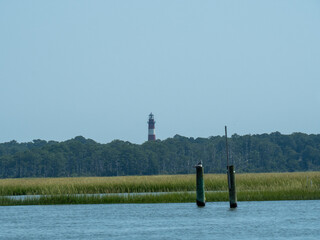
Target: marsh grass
162,198
250,187
114,199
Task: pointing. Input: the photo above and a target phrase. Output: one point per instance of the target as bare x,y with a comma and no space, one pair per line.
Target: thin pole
225,128
227,151
231,178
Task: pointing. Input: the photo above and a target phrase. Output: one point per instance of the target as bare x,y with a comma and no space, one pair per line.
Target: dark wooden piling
231,178
201,202
232,187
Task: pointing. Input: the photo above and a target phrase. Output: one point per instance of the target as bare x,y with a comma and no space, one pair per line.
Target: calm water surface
251,220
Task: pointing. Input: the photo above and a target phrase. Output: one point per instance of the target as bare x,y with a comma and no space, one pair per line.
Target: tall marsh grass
250,187
90,185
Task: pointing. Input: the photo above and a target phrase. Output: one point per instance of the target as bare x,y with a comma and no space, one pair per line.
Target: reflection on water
251,220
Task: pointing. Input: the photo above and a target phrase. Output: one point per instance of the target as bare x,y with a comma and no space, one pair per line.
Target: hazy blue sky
98,68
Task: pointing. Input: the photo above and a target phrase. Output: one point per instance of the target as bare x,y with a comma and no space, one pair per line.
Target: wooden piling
201,201
232,187
231,178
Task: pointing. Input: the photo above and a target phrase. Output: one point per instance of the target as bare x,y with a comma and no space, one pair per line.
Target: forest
79,156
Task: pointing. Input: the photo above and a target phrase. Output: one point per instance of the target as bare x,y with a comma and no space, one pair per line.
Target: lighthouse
151,132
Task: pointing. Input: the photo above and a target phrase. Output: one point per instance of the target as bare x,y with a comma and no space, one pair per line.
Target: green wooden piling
232,187
201,201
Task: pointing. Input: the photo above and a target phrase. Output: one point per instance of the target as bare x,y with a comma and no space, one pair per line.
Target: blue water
251,220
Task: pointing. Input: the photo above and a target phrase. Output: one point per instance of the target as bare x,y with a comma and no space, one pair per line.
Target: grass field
250,187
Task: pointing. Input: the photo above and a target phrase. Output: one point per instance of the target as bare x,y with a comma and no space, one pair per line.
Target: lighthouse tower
151,132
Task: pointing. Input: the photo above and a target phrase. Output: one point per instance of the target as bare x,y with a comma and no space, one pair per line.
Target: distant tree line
79,156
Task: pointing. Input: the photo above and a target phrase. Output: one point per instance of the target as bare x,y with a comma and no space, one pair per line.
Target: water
251,220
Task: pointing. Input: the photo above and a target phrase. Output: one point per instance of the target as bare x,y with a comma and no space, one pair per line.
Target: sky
98,68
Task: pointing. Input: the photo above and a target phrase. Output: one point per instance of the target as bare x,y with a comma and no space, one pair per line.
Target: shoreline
134,198
158,189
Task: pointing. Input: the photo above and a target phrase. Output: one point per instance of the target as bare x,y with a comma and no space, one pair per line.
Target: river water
251,220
